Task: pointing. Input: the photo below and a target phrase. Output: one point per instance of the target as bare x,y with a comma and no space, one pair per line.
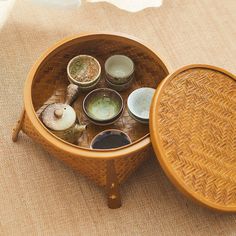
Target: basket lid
193,132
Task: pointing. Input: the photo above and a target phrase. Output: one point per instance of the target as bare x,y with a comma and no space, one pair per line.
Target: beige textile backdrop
41,196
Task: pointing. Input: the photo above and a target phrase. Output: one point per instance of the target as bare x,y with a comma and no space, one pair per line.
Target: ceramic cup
84,71
111,138
139,103
119,69
103,106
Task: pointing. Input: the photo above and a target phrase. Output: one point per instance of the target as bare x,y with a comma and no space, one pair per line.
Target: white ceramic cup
119,69
139,103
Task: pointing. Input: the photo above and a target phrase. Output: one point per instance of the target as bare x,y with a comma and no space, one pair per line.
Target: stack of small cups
119,72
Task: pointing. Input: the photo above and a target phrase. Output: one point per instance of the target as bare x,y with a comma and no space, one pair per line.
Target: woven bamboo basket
47,82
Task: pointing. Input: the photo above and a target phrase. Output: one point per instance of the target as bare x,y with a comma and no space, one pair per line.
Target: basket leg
113,193
18,126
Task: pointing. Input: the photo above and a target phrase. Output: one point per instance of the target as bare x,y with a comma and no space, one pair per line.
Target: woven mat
38,194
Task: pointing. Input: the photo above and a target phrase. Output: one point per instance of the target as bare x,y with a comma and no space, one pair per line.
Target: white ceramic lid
58,116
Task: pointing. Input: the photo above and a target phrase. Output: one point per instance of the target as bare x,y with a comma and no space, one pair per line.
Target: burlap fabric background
38,194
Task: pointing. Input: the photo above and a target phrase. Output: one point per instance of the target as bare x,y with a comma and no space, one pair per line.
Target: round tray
193,131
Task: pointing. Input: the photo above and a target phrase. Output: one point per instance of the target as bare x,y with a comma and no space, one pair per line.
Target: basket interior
50,80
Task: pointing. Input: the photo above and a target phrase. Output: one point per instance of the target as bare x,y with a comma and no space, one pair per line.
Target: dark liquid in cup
109,140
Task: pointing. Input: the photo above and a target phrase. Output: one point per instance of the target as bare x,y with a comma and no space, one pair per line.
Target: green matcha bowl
103,106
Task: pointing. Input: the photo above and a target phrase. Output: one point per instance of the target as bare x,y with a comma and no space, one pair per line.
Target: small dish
111,138
119,69
103,106
120,87
84,71
139,103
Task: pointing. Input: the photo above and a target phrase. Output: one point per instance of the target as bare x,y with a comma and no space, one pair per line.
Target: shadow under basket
47,82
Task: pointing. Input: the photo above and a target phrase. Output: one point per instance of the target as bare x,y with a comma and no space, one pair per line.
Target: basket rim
158,148
68,147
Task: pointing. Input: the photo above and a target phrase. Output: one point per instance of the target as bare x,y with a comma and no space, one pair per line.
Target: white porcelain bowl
119,69
139,103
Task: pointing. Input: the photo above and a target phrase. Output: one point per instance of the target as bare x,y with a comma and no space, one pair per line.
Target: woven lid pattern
196,121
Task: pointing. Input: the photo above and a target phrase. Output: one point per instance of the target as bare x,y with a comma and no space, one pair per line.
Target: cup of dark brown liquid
109,139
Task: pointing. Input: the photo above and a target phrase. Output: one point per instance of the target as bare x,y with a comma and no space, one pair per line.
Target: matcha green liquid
103,108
